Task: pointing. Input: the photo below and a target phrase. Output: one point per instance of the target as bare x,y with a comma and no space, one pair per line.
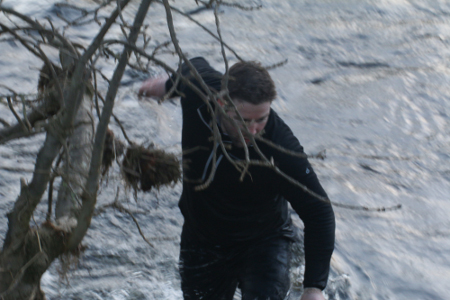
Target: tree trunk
76,163
24,262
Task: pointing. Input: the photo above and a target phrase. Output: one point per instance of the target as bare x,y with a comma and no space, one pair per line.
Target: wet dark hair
250,82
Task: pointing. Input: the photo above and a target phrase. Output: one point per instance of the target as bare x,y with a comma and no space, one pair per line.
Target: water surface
365,80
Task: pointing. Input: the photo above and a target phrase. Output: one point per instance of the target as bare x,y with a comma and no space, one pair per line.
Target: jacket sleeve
210,76
317,216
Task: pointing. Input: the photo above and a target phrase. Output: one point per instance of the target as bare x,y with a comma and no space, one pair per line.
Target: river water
365,80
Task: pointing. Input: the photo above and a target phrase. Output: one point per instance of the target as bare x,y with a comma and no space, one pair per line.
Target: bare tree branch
118,122
84,13
276,65
6,124
24,42
194,72
19,120
90,196
204,28
230,4
54,76
175,84
62,41
118,206
57,131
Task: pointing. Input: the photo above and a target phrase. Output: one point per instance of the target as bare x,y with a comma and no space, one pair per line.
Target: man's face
255,117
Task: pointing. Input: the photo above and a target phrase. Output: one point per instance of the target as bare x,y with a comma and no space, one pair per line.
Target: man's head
250,82
252,90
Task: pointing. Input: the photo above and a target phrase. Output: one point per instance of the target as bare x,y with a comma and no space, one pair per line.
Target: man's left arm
317,215
319,232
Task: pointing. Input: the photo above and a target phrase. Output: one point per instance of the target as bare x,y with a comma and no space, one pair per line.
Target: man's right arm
154,87
157,87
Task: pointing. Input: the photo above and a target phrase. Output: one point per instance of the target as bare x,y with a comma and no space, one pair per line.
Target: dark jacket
230,212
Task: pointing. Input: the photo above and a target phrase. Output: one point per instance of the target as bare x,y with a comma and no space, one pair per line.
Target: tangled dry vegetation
147,168
142,168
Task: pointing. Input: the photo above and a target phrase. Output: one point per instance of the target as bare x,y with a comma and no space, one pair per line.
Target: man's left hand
312,294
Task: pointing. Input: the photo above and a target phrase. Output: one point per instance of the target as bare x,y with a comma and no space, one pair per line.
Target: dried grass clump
112,149
145,168
47,88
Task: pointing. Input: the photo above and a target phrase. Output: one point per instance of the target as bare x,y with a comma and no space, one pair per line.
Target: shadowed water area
365,80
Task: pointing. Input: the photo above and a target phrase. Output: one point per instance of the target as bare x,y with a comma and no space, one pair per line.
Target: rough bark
76,162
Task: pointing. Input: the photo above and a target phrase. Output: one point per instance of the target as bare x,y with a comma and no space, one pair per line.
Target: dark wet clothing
234,214
261,269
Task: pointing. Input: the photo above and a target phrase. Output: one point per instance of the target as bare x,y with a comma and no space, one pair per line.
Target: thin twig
216,133
277,65
174,85
21,40
203,27
119,123
14,93
39,27
18,170
123,209
54,75
17,135
24,113
24,127
197,148
6,124
207,99
50,188
224,89
37,234
233,4
116,56
118,206
317,196
282,149
96,93
122,19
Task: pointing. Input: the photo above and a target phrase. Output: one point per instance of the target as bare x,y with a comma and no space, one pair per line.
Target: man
238,231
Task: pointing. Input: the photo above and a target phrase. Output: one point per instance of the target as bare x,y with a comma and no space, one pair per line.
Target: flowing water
365,80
